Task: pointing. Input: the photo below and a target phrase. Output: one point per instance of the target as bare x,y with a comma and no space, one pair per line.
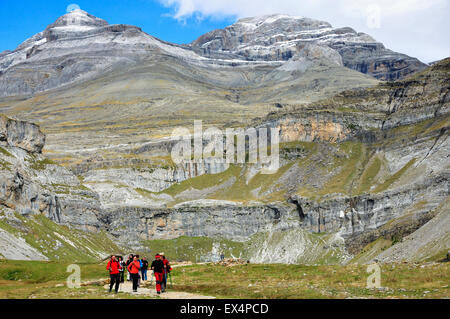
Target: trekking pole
170,280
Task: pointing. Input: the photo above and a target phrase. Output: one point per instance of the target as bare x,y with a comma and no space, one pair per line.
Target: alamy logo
374,280
73,19
72,7
373,16
74,279
234,146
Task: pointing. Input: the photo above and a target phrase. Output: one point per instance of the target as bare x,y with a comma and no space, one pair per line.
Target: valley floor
46,280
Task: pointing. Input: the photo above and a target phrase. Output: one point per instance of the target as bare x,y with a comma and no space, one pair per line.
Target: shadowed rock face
280,37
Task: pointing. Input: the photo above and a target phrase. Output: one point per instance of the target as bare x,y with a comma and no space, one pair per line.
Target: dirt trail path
126,287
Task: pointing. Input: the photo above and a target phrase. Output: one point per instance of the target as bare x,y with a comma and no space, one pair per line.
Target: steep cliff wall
200,218
45,213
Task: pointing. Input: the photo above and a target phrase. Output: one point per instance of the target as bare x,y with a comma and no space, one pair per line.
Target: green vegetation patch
372,250
58,242
4,165
40,165
368,177
388,182
43,271
203,181
5,152
350,161
301,281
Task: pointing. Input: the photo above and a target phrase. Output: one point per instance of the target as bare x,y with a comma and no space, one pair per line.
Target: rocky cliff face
397,150
45,212
24,135
344,170
280,37
210,218
31,184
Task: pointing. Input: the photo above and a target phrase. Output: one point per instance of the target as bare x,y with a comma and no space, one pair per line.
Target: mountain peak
77,19
279,37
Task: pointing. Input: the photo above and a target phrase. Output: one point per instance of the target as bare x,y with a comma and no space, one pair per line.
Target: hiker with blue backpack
144,268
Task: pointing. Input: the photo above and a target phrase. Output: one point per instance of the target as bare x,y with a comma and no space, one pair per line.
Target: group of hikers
137,271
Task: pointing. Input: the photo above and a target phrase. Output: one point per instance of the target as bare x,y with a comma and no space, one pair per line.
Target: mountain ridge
78,32
279,37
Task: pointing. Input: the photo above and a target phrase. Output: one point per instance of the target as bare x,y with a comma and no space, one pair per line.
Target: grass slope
299,281
58,242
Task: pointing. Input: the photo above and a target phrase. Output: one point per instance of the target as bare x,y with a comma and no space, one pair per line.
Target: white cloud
414,27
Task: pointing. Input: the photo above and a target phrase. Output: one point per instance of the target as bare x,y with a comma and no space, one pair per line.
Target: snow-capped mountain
279,37
79,46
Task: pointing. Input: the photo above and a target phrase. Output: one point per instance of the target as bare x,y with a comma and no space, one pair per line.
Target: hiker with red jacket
167,269
114,268
133,269
158,269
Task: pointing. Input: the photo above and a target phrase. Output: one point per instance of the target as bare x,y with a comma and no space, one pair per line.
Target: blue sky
418,28
20,19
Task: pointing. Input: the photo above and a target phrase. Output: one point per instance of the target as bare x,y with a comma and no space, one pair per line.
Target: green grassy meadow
46,280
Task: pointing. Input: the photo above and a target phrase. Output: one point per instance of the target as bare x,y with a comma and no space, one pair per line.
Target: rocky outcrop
32,185
429,241
202,218
280,37
356,217
367,113
21,134
400,209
